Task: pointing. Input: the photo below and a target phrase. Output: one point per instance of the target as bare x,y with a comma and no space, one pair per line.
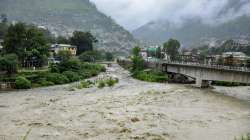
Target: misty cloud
134,13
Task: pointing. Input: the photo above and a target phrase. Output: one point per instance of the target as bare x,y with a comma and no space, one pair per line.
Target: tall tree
62,40
27,42
14,39
9,63
3,30
36,47
83,40
138,62
172,48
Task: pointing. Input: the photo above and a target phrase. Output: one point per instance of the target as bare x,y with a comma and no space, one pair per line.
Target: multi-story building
56,48
235,58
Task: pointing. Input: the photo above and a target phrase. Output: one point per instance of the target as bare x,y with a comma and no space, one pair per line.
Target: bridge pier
202,83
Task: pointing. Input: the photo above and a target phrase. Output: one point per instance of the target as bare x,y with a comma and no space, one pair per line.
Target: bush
101,84
54,68
111,82
57,78
90,56
72,76
22,83
46,83
73,64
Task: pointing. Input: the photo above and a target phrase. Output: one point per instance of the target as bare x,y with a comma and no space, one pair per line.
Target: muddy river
132,110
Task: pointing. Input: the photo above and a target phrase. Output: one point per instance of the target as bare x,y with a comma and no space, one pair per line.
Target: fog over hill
190,21
62,17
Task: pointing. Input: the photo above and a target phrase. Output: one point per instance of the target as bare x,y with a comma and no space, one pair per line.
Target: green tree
3,30
158,53
136,51
62,40
138,62
14,39
35,46
83,40
172,48
27,42
64,55
9,63
109,56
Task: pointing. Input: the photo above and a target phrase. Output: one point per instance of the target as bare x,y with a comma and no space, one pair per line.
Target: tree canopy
83,40
172,48
27,42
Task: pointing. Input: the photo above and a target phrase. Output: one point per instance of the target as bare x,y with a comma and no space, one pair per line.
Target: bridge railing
214,66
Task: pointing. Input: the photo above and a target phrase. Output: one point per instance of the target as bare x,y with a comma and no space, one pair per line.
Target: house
56,48
235,58
144,53
240,43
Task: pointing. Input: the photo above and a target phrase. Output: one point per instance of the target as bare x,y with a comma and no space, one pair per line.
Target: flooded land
132,110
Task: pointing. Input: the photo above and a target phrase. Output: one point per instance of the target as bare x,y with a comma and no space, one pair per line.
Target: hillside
62,17
194,32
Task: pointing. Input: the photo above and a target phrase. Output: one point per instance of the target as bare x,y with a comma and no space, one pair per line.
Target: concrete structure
55,48
203,74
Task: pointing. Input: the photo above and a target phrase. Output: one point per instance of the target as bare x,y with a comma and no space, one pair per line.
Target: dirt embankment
130,110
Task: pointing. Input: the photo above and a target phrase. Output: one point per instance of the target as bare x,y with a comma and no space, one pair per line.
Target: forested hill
194,32
64,16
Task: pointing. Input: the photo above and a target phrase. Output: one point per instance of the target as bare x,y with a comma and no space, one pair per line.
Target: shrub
72,64
90,56
54,68
46,83
72,76
101,84
57,78
22,83
111,82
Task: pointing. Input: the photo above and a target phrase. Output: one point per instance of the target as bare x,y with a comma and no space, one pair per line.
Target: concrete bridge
202,73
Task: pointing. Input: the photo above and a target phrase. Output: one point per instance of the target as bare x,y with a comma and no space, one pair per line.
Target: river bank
131,110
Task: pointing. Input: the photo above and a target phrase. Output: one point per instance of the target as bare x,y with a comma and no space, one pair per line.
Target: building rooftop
62,45
240,55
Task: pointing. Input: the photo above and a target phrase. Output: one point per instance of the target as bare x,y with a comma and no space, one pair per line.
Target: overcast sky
133,13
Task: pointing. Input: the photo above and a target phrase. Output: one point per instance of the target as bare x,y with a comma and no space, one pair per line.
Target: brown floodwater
132,110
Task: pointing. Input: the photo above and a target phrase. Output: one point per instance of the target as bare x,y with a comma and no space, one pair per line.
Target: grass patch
150,76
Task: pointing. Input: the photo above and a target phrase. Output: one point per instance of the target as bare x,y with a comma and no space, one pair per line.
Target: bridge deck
217,67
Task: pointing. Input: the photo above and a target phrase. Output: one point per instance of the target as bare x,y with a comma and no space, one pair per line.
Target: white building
56,48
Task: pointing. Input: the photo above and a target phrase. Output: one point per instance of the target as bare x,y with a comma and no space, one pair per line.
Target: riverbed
131,110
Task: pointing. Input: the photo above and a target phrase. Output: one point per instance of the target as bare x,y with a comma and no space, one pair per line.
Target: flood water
132,110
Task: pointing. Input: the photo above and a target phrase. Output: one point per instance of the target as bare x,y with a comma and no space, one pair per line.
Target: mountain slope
226,24
193,31
62,17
